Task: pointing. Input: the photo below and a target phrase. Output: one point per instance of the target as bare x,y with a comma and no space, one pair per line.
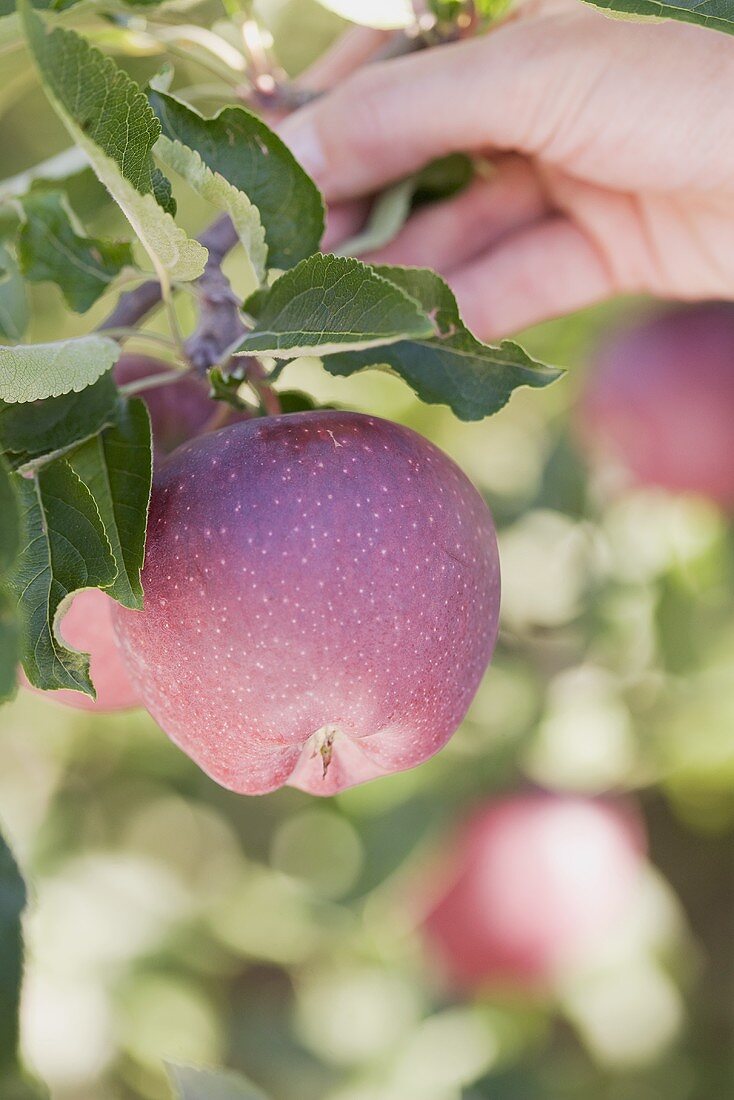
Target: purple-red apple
321,601
528,888
659,402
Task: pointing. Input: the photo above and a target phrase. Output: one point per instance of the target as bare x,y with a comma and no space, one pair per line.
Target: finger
390,118
352,49
540,272
343,220
448,234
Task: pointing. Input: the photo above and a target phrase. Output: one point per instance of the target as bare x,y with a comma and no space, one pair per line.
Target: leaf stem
152,381
140,334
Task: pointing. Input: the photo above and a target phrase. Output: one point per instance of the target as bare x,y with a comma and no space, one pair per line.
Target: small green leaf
50,249
116,467
450,367
327,303
387,217
12,904
718,15
220,193
10,527
226,389
36,432
163,192
443,178
32,372
206,1084
65,548
111,120
13,298
295,401
246,152
9,547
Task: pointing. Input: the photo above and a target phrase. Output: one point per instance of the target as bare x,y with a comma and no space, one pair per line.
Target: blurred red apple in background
659,401
322,597
529,887
178,410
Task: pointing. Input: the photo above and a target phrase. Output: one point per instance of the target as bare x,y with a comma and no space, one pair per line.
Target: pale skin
612,145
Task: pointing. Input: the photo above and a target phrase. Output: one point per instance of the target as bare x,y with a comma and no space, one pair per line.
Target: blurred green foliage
174,921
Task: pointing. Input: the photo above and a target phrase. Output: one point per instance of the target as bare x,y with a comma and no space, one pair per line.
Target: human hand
613,152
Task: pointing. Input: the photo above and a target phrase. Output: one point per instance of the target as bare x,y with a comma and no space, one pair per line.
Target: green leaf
246,152
12,904
163,192
10,527
116,467
205,1084
443,178
13,298
34,433
452,367
111,120
327,303
50,249
9,547
387,217
295,401
718,15
32,372
220,193
65,548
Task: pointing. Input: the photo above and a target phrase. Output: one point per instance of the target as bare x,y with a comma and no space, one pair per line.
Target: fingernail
301,136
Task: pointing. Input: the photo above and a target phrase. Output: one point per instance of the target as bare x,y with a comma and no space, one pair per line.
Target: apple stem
324,747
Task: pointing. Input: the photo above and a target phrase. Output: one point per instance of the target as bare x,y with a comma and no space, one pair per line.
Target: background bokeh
174,920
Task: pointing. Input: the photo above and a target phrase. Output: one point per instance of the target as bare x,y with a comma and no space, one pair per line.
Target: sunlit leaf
109,117
221,194
241,148
32,372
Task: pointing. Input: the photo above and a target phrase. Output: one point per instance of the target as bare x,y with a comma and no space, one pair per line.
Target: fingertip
301,135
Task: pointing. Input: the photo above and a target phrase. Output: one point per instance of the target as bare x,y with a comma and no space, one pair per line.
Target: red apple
660,401
530,886
321,601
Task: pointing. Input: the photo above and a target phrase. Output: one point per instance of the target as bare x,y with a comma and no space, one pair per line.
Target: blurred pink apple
322,596
660,401
529,887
